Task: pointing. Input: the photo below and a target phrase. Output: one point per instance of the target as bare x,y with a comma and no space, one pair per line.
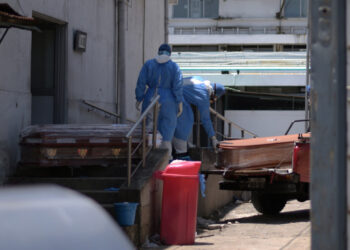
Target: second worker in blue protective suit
197,92
162,76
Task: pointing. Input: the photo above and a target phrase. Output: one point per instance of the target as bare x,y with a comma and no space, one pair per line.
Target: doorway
48,71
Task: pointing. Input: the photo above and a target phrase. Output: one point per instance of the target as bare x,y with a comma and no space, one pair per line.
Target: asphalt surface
239,226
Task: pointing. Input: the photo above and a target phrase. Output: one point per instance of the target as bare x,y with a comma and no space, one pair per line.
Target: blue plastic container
125,213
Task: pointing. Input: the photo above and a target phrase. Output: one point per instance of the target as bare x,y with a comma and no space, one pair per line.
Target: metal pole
215,119
3,35
143,115
144,141
242,133
129,159
155,120
328,124
308,51
229,130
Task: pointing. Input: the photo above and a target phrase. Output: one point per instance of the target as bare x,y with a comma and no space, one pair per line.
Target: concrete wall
15,97
236,39
214,197
90,75
145,33
250,9
149,191
266,122
258,15
243,8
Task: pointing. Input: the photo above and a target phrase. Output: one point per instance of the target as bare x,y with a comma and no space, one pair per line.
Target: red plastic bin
179,204
183,167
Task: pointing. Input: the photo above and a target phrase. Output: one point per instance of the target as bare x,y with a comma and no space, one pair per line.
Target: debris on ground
204,223
204,236
152,242
216,226
149,244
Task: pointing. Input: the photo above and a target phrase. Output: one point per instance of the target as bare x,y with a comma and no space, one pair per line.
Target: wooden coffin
75,145
256,153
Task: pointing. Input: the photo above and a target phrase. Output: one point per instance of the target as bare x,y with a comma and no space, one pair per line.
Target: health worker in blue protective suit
200,93
161,76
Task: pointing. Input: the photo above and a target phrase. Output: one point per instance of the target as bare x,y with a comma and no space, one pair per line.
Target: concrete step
79,183
102,196
111,211
110,171
118,170
131,231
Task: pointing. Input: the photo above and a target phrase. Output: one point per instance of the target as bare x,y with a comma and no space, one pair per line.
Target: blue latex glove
202,183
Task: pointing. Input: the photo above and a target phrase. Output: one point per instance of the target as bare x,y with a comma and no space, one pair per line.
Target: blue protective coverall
166,80
198,95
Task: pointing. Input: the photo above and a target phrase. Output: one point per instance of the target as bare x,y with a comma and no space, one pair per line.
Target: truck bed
257,153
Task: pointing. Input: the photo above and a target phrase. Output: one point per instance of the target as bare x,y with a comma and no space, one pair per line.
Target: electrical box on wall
80,39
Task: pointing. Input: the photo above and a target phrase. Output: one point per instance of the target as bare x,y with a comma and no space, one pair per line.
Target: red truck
274,169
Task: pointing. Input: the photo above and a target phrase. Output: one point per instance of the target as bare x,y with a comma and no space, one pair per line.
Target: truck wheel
268,203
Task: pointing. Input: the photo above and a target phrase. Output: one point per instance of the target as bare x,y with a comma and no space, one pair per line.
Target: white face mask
162,58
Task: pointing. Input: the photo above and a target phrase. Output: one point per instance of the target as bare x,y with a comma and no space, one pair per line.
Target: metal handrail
142,118
212,30
231,123
93,106
292,123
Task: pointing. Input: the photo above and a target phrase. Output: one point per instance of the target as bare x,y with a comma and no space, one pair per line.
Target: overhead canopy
10,18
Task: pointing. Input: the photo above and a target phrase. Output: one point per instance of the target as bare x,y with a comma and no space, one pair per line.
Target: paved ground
241,227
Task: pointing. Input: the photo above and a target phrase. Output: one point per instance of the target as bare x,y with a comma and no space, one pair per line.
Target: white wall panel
265,123
250,8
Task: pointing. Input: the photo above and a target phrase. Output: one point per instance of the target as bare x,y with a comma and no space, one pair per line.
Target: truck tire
268,203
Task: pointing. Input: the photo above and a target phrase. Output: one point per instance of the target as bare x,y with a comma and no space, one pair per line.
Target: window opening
196,9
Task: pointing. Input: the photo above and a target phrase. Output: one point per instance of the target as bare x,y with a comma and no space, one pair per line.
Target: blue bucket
125,213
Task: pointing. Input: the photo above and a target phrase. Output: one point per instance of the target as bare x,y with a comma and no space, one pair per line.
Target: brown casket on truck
257,153
75,144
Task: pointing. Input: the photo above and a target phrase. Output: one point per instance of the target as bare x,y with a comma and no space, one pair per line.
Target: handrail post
215,119
142,119
144,141
198,126
155,120
129,159
216,123
229,130
232,123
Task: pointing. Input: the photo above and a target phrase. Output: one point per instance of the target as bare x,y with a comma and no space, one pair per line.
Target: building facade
238,25
76,56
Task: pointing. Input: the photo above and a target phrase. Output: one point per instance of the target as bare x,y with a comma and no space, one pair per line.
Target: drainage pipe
115,47
166,21
121,59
